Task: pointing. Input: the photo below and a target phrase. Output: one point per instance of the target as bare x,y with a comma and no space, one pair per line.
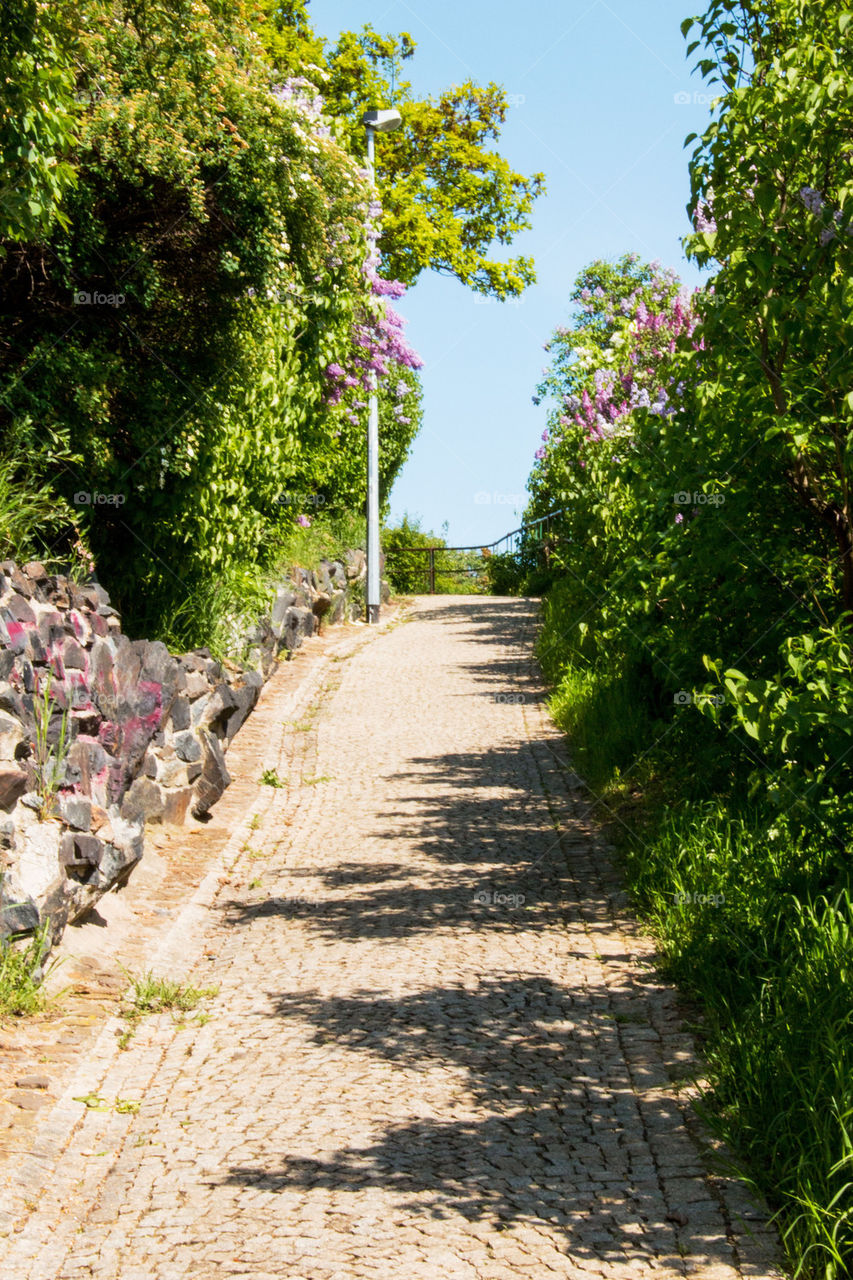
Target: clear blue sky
595,85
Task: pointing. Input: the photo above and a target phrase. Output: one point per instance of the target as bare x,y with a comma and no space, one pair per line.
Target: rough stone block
337,608
19,609
76,811
214,775
179,716
11,734
321,606
73,654
356,565
187,746
143,801
197,684
322,576
245,695
78,849
176,803
18,917
284,598
217,709
13,784
298,624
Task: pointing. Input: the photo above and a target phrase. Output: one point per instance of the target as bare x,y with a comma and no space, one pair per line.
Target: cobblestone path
439,1048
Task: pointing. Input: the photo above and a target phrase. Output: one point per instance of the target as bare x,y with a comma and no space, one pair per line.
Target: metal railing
437,562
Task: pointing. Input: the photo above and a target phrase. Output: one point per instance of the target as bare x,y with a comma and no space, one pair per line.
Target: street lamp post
385,121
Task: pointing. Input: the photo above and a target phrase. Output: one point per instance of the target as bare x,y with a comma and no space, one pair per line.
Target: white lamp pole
386,121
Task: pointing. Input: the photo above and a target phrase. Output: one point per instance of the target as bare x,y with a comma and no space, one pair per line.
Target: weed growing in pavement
153,995
270,778
150,994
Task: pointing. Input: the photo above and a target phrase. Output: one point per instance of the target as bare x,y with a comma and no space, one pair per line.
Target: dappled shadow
536,1099
544,1125
491,852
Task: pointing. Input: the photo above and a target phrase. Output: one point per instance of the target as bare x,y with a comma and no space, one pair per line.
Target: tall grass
217,613
754,919
21,974
603,715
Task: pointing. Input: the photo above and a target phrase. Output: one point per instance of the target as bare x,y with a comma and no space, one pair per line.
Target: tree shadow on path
549,1124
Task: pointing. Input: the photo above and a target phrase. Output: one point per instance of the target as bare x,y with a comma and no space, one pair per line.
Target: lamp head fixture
383,120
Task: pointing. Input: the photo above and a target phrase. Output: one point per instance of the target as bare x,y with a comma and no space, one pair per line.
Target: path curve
439,1048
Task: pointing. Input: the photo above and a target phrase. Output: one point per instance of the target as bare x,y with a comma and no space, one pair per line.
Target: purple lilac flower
703,218
812,199
304,522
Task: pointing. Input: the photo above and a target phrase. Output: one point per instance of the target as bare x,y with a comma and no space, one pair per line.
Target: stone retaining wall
100,734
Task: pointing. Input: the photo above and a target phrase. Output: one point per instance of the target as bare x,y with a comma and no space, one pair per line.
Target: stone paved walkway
439,1047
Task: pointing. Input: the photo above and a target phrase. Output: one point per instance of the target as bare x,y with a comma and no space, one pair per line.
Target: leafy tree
772,183
177,330
447,196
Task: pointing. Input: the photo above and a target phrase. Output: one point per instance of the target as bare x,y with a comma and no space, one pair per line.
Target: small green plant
150,994
270,778
255,823
21,974
49,760
94,1102
312,780
256,883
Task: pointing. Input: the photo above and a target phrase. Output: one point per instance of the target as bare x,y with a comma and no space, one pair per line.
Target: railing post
432,571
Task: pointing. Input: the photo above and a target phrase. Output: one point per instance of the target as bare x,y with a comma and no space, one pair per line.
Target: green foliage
230,241
503,574
149,993
407,563
698,632
21,974
800,721
50,746
270,778
774,169
37,118
447,195
607,721
183,242
753,920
